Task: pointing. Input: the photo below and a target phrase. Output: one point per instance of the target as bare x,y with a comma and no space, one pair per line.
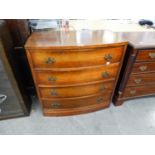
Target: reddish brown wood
75,58
76,102
139,91
143,67
83,68
75,111
137,75
82,39
146,55
141,79
78,75
118,102
75,91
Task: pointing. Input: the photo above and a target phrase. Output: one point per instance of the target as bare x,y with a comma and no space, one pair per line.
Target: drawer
141,79
76,102
146,55
75,91
107,72
143,67
139,91
75,58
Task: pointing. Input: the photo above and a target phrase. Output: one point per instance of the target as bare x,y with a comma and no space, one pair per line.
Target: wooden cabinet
19,32
137,77
14,101
75,71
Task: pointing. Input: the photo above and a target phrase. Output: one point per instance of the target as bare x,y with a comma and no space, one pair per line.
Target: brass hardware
54,92
143,68
138,80
102,88
105,74
50,60
132,92
55,105
108,57
99,100
152,55
52,79
120,93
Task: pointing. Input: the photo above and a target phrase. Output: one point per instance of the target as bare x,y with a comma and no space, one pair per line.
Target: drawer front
108,72
71,59
139,91
76,91
141,79
146,55
76,102
143,67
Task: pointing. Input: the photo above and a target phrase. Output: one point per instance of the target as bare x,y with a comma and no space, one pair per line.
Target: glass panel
9,104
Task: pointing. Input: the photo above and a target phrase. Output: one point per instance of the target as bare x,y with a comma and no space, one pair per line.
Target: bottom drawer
76,102
75,111
139,91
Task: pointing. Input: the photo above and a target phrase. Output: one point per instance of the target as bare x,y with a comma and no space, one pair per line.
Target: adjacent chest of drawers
138,76
74,72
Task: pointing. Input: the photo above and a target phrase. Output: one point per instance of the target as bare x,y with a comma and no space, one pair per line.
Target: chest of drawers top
138,40
73,39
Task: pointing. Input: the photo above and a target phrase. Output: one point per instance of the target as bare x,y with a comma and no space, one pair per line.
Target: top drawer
75,58
146,55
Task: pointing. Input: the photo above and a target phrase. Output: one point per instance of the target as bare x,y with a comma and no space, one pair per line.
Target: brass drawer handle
138,81
108,57
50,60
152,55
55,105
132,92
102,88
105,74
52,79
99,100
54,92
143,68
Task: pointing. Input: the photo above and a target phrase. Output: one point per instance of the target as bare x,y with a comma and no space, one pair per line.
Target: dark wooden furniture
14,101
137,78
75,71
19,31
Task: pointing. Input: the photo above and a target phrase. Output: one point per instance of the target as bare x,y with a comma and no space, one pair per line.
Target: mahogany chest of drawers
138,74
74,71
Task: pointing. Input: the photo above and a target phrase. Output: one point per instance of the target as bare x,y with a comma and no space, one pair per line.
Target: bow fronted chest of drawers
138,74
75,71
